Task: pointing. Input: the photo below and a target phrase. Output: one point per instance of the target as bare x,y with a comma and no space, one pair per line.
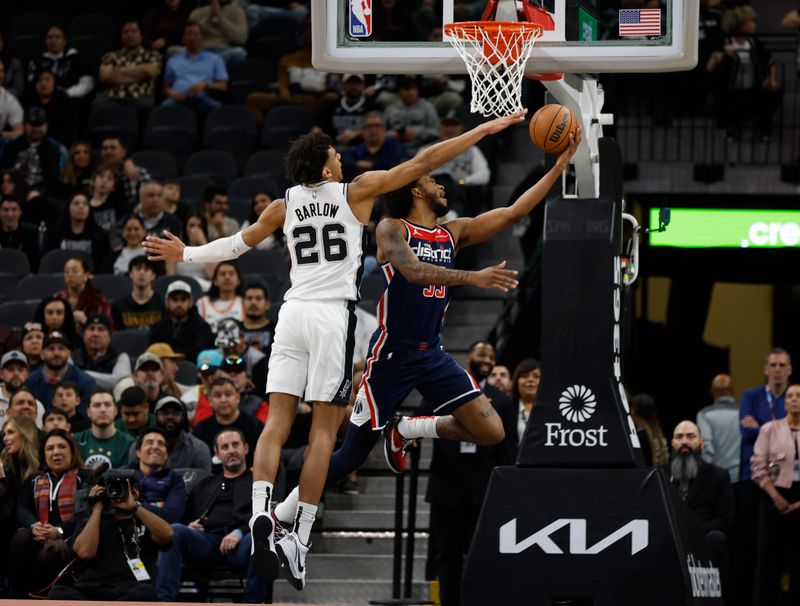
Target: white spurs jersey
326,243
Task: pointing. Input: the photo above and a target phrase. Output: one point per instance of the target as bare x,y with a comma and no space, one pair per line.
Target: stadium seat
284,124
132,341
91,51
217,164
193,188
239,209
17,313
264,263
92,26
38,286
161,283
243,189
231,128
274,310
246,77
53,260
187,372
26,35
275,283
8,285
171,128
113,287
268,163
160,164
113,120
14,262
269,40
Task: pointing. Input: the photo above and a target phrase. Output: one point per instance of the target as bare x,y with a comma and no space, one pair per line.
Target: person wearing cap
412,120
169,367
342,118
134,412
182,327
14,372
143,306
251,402
208,363
97,357
56,368
38,156
148,373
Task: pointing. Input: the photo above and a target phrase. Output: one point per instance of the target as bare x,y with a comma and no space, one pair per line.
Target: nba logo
360,18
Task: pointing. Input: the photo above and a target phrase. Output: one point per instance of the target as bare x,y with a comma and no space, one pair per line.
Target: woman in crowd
776,468
260,201
77,172
83,297
645,417
45,513
133,232
224,298
54,314
79,231
524,387
32,341
196,230
45,93
107,204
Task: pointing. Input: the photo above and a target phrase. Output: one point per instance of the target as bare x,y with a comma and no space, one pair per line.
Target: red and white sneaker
395,446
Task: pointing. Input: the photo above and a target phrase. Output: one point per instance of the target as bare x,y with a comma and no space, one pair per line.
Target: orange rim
467,29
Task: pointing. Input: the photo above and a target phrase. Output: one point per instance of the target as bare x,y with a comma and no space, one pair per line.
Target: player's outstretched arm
170,247
368,185
473,231
393,247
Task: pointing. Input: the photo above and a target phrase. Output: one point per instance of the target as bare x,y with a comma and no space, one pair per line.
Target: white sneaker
292,554
262,547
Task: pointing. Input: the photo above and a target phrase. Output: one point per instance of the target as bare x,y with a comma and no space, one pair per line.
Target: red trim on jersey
437,234
383,304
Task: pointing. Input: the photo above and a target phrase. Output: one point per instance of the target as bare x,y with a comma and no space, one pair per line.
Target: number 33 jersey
325,241
411,315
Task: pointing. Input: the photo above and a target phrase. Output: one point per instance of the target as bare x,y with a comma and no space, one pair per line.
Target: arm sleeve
82,88
748,407
220,72
758,462
234,23
25,515
109,380
430,130
221,249
708,438
480,174
174,504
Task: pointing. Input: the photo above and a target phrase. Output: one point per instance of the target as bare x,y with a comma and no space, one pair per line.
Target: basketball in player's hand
550,128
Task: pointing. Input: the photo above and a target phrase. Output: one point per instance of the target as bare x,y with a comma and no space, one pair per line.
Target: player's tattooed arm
393,247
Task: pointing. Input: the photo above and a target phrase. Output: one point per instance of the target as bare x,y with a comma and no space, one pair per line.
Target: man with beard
134,411
14,372
102,442
500,378
219,509
56,368
97,357
182,327
149,375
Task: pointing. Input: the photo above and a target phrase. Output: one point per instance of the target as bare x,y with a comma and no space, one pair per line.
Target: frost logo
577,403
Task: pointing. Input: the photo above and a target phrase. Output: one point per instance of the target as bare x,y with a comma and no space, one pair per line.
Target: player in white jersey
324,221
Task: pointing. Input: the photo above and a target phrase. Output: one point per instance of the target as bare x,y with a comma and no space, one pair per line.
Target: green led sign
728,228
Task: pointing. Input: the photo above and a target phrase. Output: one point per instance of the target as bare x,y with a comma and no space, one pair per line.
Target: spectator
32,339
83,297
79,231
56,419
196,230
185,450
444,92
224,299
36,155
343,118
134,413
106,541
299,83
54,314
14,80
97,357
107,203
258,10
143,306
645,416
377,152
219,510
258,204
17,235
224,28
102,442
151,210
764,403
11,114
130,73
791,20
76,174
163,491
67,399
14,373
776,469
163,25
72,75
114,153
182,327
149,375
208,363
500,378
45,93
230,341
172,201
524,387
719,426
46,515
251,402
748,73
23,404
224,399
258,330
133,232
216,205
412,120
169,366
43,381
193,72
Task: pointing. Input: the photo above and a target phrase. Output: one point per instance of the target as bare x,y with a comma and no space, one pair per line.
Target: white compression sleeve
221,249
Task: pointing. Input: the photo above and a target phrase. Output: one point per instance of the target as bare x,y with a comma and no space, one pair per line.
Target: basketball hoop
495,53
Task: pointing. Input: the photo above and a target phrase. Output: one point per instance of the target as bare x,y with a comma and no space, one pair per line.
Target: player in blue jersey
417,255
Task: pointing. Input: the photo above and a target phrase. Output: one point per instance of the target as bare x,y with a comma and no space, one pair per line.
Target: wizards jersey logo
360,18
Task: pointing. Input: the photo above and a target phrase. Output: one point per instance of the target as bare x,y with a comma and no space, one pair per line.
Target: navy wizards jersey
413,314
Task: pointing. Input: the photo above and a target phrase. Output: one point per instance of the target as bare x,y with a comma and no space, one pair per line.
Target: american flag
640,22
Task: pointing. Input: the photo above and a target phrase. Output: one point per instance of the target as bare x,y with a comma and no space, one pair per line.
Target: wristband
221,249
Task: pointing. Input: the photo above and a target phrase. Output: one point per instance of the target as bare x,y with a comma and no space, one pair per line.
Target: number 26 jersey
325,241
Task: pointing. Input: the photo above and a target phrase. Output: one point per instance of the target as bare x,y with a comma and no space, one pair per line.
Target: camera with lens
115,482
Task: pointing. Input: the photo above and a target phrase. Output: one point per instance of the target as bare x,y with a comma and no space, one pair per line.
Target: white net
495,54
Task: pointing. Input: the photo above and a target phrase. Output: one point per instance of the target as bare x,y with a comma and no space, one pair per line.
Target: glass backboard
589,36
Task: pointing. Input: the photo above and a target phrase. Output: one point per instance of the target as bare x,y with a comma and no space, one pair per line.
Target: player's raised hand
496,276
169,248
566,155
495,126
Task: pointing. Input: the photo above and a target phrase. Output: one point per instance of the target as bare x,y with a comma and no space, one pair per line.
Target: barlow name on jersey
316,209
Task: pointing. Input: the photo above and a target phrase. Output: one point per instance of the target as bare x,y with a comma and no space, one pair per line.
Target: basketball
550,128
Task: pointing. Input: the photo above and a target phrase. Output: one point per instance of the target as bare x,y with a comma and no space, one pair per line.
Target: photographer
116,548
